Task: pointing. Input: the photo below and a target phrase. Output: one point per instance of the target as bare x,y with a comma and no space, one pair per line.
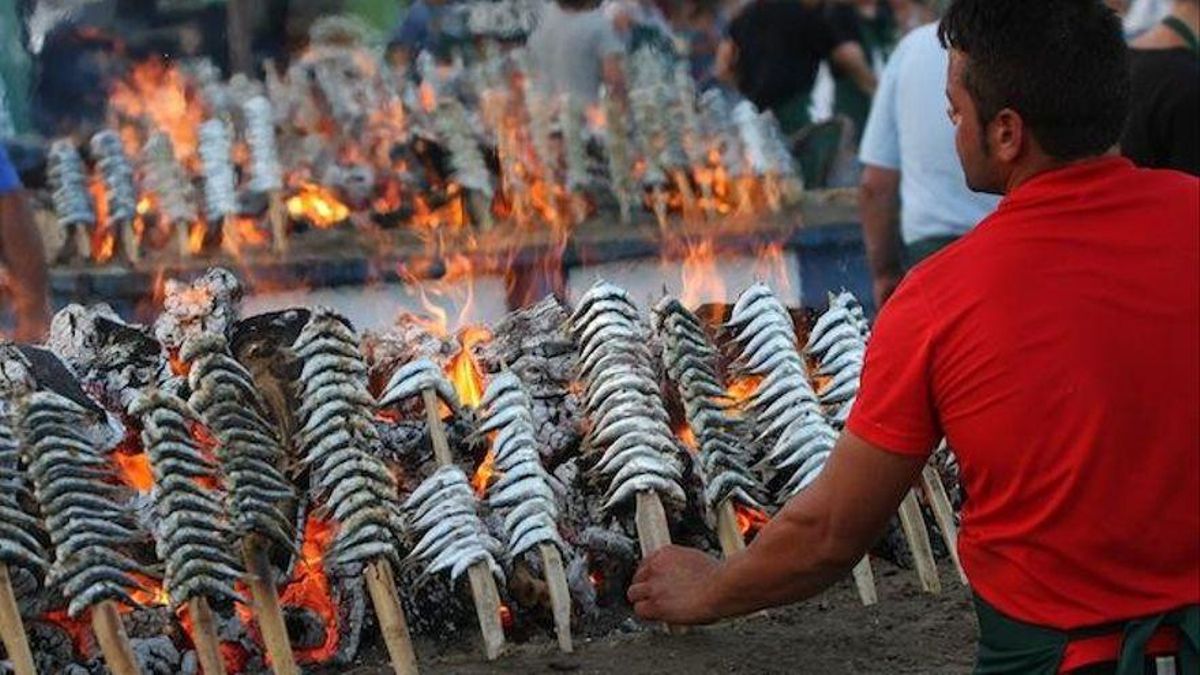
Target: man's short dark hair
1060,64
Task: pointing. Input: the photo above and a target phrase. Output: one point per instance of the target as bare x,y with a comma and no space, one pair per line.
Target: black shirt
780,45
1163,129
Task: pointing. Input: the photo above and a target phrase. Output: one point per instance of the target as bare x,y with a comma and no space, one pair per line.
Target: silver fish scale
117,174
68,182
257,489
716,432
220,182
527,464
265,172
20,536
635,365
165,177
467,542
206,542
346,474
90,526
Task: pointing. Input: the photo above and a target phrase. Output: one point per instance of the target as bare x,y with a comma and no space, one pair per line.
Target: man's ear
1007,135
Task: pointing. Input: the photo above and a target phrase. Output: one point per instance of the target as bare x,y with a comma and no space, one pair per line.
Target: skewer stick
653,532
114,643
204,636
943,513
684,185
560,597
918,542
83,242
772,191
481,209
266,608
12,630
745,197
128,241
728,533
229,240
659,200
392,622
864,580
483,584
278,216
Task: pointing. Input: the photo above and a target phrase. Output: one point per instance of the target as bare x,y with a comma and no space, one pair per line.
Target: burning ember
749,519
309,588
317,205
463,370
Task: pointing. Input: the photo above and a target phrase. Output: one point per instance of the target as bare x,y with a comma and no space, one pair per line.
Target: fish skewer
72,202
340,472
15,550
522,466
165,418
91,528
166,179
424,378
266,176
224,396
120,194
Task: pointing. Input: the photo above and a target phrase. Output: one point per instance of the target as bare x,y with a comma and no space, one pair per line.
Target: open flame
318,205
743,388
701,279
685,434
485,472
749,519
309,588
464,371
160,95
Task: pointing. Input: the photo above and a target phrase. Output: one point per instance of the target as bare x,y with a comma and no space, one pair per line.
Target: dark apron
1008,646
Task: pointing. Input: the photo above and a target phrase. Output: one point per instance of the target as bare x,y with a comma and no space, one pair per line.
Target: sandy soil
907,632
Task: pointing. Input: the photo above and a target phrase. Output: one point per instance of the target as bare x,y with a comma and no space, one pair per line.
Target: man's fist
674,585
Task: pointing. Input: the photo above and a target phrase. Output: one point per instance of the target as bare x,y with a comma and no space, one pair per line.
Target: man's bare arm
21,245
878,207
849,58
817,537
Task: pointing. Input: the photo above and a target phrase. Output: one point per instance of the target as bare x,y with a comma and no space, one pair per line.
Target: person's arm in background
847,56
879,190
611,50
21,248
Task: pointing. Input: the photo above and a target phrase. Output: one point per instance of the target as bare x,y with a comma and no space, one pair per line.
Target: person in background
912,14
1054,347
575,49
22,254
421,30
773,51
910,168
870,24
700,26
1163,129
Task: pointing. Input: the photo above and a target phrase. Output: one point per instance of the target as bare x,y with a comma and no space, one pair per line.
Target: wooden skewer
278,216
267,611
653,532
114,643
864,580
659,200
483,584
392,623
918,542
745,196
481,208
128,242
772,191
83,242
943,513
12,629
560,596
684,185
728,533
204,636
229,240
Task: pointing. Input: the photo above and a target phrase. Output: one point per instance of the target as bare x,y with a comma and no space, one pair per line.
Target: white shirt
908,130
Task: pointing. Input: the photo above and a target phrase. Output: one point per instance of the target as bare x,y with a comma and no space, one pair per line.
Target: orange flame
464,372
483,475
318,205
134,470
309,588
743,388
685,434
749,519
506,617
163,96
104,239
701,278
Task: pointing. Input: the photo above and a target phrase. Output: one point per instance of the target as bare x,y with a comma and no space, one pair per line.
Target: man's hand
885,285
671,584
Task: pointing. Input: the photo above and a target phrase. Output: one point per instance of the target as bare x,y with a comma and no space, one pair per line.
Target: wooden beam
864,581
728,533
267,612
913,524
205,637
392,623
114,642
943,513
12,629
560,595
653,531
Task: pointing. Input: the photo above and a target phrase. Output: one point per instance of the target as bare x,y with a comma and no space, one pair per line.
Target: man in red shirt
1055,347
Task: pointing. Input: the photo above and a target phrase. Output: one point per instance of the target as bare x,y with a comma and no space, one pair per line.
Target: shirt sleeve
607,40
9,182
895,407
880,145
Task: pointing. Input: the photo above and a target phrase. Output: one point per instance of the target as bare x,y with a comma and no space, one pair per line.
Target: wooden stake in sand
114,643
12,629
653,531
267,611
943,513
913,524
392,623
864,581
204,636
728,533
483,584
278,217
560,596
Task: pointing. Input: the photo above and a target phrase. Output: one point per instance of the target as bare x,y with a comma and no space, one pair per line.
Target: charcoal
156,655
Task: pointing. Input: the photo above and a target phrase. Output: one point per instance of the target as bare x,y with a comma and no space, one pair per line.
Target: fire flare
317,205
161,95
309,588
749,519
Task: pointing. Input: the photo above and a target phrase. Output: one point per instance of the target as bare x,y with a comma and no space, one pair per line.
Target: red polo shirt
1056,348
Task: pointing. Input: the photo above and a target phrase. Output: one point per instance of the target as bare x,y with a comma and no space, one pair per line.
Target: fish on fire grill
166,179
630,425
787,413
336,430
194,537
451,537
414,377
690,359
120,193
69,192
525,494
220,182
266,174
839,342
73,485
20,533
249,451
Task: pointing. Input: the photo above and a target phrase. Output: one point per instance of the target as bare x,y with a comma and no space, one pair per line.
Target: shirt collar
1065,178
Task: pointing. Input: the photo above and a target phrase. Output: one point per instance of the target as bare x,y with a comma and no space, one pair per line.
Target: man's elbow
878,184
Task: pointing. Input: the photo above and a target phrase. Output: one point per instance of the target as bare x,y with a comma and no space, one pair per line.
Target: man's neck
1044,164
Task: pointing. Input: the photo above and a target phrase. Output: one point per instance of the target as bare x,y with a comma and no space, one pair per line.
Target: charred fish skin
356,487
90,527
